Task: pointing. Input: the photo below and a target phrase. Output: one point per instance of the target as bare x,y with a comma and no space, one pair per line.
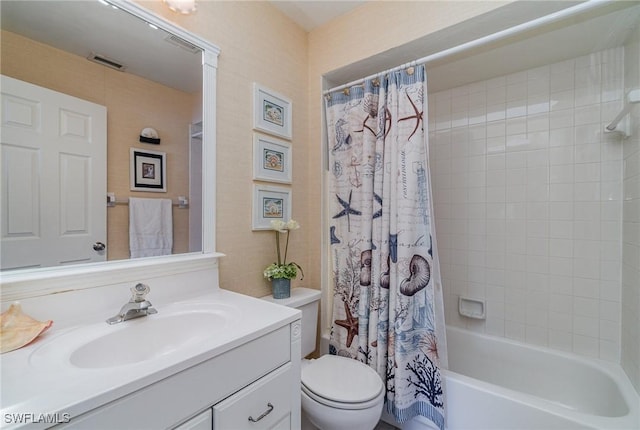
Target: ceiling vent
106,61
175,40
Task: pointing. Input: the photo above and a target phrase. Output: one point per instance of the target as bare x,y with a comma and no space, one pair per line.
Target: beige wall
132,104
260,44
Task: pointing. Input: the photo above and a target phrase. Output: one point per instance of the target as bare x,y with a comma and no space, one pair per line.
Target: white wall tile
587,249
562,211
586,192
531,192
562,285
537,121
587,153
562,98
561,192
585,345
560,339
610,350
589,114
561,119
561,248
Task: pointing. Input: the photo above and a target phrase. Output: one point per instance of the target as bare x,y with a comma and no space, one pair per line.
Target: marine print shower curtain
387,307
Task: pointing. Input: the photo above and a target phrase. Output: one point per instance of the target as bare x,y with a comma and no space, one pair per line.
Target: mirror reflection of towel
150,227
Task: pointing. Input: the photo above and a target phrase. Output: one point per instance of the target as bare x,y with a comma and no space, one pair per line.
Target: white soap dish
472,308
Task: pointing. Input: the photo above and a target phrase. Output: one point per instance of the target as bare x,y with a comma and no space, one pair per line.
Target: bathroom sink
99,346
151,338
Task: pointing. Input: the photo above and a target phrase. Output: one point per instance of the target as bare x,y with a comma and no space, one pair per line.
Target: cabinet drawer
265,404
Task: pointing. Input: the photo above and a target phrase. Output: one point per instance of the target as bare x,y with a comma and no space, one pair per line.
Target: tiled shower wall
528,203
631,225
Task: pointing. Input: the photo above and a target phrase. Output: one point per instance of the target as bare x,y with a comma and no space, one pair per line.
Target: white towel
150,227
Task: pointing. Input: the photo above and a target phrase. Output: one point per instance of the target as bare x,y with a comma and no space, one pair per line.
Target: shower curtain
387,307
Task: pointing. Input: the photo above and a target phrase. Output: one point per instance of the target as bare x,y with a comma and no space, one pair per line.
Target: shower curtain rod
502,34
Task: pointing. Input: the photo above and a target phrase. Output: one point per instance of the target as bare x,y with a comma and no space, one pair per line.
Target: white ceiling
310,14
607,25
85,27
82,27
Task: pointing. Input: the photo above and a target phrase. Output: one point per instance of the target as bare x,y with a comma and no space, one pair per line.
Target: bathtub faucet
137,306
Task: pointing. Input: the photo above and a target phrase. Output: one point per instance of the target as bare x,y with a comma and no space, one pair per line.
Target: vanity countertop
40,379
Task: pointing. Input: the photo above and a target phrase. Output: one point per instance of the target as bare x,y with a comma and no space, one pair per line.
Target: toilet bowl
339,392
336,392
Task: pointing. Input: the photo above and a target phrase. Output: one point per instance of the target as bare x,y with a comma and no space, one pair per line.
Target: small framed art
271,159
148,171
271,112
270,203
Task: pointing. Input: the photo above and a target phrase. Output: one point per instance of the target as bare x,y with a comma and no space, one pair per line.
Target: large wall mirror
147,73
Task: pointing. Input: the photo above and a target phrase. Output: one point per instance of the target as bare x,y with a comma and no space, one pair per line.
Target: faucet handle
140,292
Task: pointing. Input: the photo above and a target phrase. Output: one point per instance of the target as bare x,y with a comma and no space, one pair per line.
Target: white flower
278,225
282,269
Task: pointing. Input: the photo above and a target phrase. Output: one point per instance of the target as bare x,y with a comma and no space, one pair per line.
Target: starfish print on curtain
350,323
417,115
347,210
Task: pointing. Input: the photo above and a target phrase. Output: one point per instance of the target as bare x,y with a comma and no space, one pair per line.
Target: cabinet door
263,405
203,421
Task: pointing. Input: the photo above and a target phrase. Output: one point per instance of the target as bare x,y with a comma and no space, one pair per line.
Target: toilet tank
306,300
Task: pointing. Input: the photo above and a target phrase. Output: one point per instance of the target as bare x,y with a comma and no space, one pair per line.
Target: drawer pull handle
268,411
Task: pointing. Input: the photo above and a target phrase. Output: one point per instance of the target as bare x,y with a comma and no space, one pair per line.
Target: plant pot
281,288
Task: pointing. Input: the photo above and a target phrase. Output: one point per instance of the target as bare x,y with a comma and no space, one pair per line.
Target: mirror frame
21,284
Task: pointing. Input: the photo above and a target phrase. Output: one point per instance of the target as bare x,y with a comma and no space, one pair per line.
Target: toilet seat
341,382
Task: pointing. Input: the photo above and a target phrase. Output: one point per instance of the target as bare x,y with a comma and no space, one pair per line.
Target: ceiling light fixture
184,7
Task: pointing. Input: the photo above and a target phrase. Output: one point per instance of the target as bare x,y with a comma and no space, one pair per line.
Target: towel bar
183,202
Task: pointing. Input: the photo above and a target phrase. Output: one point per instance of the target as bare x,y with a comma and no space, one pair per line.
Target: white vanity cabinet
202,421
258,379
264,405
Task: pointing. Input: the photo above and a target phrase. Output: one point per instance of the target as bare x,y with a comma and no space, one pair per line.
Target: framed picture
271,159
271,112
148,170
270,203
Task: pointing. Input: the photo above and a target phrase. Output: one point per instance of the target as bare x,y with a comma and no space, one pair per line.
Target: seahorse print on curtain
387,307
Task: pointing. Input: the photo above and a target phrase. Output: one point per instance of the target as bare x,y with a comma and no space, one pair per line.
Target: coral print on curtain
387,307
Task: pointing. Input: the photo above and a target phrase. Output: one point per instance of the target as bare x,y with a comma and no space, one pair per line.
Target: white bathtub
494,383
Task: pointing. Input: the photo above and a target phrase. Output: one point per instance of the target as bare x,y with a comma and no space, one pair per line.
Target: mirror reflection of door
54,166
52,44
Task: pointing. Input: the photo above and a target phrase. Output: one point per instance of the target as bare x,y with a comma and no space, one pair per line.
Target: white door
53,177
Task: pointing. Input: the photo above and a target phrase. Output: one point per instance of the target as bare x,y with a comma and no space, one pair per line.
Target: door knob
99,246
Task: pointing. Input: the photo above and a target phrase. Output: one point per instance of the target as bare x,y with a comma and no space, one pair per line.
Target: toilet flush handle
267,412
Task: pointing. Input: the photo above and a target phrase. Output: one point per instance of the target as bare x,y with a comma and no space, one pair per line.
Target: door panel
53,177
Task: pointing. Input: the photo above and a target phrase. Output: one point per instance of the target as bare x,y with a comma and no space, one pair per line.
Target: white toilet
337,392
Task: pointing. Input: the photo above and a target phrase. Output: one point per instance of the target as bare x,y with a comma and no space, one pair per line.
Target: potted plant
281,273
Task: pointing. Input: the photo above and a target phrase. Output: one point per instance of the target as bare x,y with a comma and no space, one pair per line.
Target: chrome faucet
138,305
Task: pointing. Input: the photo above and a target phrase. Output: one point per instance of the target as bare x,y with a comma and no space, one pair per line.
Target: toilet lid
341,379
